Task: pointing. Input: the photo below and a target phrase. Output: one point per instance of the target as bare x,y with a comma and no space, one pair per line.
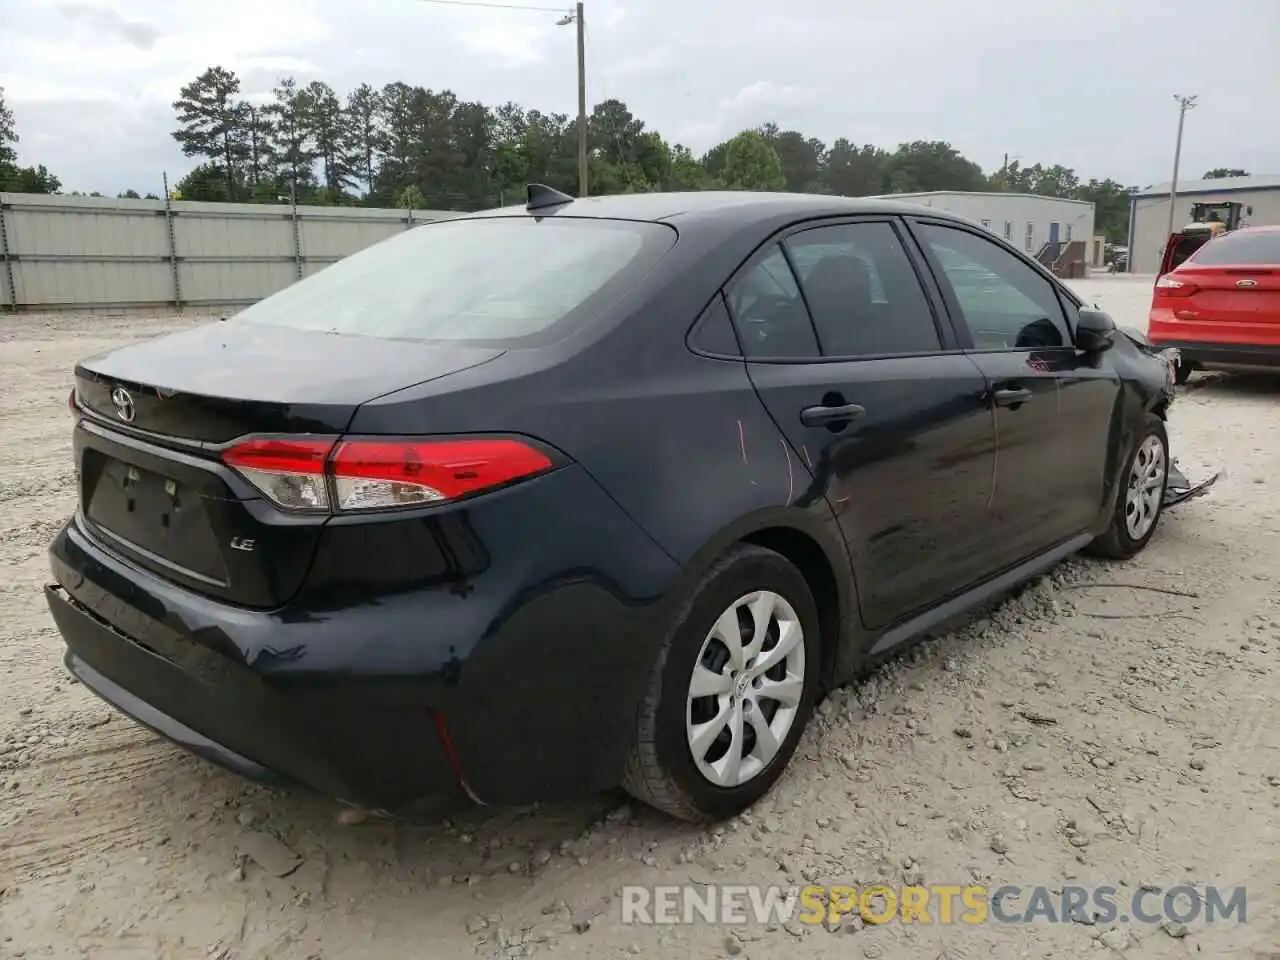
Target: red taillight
1169,286
370,474
289,472
320,474
71,403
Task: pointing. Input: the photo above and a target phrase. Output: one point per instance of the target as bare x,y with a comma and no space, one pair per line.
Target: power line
497,6
573,16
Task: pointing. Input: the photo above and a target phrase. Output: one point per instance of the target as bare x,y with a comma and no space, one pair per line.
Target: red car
1221,306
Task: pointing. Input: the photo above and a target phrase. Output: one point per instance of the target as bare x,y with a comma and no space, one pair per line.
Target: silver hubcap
1146,488
745,689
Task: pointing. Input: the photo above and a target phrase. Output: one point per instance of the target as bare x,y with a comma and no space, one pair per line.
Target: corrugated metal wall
1151,220
95,253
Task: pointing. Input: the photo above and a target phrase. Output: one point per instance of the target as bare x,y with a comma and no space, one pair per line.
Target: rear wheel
1182,372
732,691
1141,495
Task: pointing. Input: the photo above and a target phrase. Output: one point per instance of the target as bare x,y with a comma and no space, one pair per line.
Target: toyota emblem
123,404
1246,283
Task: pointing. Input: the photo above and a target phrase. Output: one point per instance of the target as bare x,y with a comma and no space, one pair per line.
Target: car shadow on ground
1235,384
184,798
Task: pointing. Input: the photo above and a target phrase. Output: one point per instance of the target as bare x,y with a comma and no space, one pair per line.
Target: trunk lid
224,380
156,415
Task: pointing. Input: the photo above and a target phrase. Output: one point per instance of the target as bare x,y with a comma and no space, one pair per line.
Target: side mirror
1095,330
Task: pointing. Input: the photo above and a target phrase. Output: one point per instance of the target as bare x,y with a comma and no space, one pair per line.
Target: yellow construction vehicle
1208,220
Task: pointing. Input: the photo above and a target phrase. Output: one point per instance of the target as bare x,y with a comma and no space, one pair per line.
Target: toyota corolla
545,500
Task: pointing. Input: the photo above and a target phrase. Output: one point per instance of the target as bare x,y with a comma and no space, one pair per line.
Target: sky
1087,83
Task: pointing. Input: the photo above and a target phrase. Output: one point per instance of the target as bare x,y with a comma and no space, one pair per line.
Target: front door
867,384
1053,406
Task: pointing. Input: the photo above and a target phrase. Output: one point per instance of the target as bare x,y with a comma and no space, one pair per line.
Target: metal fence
105,255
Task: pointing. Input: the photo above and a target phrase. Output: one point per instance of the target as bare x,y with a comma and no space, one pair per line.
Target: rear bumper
231,717
518,683
1204,353
147,715
1210,342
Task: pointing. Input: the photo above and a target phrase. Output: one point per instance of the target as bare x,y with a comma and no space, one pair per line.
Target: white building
1026,220
1149,211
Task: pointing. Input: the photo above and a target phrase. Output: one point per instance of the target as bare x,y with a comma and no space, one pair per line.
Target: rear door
1233,282
1053,407
1180,247
847,352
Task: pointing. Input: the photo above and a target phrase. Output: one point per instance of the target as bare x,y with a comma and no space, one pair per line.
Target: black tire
1182,372
1117,543
661,770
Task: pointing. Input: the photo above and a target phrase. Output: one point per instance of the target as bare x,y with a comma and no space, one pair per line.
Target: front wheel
1141,495
732,691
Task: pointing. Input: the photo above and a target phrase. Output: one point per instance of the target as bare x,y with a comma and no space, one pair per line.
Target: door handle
824,416
1011,397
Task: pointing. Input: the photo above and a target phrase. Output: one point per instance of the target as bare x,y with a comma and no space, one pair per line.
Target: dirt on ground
1112,725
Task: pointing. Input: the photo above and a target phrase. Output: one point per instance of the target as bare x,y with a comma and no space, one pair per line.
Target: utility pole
582,102
575,16
1184,104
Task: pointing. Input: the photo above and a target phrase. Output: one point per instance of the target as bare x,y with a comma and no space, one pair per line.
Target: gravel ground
1152,756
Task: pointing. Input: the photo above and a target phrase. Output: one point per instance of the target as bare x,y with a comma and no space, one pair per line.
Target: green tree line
409,146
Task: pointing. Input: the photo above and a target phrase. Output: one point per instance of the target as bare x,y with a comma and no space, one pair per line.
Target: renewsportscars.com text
730,904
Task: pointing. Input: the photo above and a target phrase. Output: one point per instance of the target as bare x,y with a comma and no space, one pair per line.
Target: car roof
723,207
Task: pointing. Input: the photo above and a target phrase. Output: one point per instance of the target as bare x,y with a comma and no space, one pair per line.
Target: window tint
714,332
862,291
1005,302
490,279
769,312
1240,249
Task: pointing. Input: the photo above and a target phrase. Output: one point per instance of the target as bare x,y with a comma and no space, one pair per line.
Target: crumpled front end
1172,358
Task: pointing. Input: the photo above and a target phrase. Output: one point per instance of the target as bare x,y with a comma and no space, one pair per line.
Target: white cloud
91,81
107,21
507,46
768,95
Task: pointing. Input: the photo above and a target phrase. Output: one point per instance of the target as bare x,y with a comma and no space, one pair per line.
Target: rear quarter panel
679,441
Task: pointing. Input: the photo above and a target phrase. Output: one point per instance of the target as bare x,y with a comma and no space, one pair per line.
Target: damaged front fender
1178,489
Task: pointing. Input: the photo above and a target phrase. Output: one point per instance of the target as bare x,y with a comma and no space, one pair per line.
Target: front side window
769,312
1005,303
502,280
862,291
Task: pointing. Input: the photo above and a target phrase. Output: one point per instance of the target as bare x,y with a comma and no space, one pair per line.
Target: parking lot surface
1113,725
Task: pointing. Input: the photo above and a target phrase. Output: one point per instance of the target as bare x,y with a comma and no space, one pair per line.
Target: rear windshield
491,279
1240,249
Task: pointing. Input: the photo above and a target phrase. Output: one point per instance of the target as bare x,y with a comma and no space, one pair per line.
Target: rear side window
769,311
864,295
1240,249
503,280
